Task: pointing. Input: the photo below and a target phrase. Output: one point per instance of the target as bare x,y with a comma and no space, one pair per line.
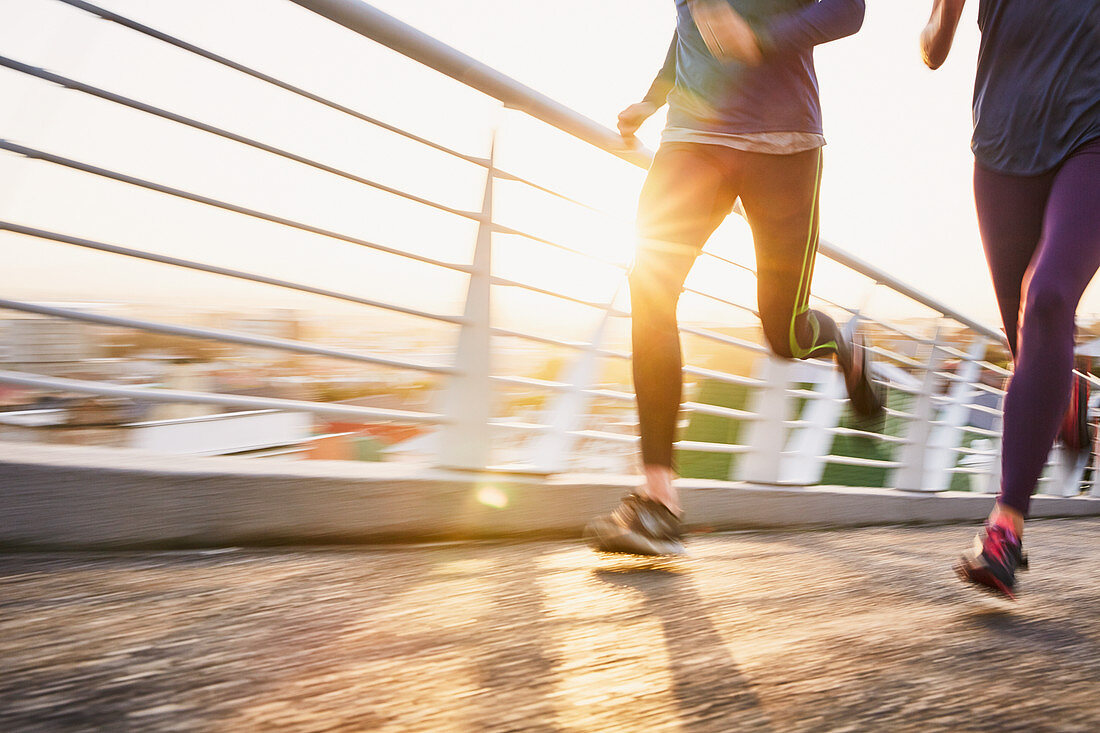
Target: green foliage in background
713,429
716,429
861,447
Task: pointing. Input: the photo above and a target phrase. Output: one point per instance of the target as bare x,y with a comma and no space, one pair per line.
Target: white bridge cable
502,229
214,269
870,435
69,83
861,462
894,356
724,339
508,283
196,124
682,445
723,301
983,432
572,345
751,271
554,386
722,376
618,396
156,394
191,48
886,325
210,334
151,186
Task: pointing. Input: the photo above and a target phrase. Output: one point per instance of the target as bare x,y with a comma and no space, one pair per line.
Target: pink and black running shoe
992,563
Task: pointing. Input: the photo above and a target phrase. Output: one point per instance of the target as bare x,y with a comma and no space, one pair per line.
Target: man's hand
631,118
727,35
936,38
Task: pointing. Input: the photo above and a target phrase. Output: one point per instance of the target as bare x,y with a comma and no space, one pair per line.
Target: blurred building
46,345
272,323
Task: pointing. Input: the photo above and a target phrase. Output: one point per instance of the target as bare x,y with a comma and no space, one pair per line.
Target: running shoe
992,563
638,526
865,395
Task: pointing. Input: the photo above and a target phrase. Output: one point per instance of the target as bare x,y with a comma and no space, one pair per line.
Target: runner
1037,189
744,121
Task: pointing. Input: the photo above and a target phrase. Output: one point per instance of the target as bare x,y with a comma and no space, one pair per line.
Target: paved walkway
815,631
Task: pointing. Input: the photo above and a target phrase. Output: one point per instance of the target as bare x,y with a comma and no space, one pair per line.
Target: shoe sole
984,579
613,539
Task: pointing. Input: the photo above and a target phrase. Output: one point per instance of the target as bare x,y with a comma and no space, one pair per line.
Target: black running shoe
638,526
992,563
865,394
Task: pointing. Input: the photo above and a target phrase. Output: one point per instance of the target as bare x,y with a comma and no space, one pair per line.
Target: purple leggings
1042,241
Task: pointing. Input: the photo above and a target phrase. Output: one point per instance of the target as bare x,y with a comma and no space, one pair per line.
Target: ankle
658,487
1009,518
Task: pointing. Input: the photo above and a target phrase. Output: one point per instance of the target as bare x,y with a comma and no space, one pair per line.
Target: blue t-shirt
778,95
1037,90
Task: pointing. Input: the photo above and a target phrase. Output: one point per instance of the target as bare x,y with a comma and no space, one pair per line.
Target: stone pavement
854,630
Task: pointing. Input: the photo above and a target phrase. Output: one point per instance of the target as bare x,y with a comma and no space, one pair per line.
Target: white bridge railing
762,420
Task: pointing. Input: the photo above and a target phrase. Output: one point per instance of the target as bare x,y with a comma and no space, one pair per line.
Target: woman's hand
938,34
727,35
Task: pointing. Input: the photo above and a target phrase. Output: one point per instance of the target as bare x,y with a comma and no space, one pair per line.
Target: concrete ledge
65,497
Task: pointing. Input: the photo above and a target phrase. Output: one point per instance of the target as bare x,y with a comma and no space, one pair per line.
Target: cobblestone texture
817,631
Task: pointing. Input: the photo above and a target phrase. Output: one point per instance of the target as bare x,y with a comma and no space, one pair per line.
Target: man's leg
781,196
781,203
689,190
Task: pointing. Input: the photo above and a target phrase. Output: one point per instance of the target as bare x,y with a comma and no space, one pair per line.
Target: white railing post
767,434
1093,483
467,399
1068,474
911,476
946,435
809,444
550,450
992,482
1068,470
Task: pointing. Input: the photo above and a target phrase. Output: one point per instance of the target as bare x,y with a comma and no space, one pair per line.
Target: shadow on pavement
1008,622
709,688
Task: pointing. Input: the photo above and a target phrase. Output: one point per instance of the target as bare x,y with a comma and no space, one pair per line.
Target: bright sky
896,187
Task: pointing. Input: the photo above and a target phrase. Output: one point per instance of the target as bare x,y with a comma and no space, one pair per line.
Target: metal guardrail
791,427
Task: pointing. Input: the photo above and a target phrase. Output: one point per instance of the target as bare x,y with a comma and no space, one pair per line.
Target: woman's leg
1065,262
1010,210
1042,239
1010,220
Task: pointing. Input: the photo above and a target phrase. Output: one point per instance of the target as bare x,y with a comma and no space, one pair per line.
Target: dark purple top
1037,90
